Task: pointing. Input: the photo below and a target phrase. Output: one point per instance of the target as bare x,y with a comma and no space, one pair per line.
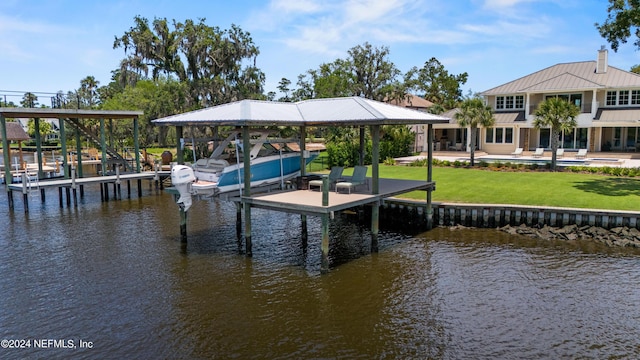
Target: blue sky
46,46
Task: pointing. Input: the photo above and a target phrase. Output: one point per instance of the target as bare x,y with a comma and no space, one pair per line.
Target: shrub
389,161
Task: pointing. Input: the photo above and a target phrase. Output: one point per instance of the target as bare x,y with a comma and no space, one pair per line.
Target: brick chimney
603,61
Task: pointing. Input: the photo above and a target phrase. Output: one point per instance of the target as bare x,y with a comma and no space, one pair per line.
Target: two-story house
608,98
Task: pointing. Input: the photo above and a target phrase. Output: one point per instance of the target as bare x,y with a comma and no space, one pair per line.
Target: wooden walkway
69,185
309,202
47,183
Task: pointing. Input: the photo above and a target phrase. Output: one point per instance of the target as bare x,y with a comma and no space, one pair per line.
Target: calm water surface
115,274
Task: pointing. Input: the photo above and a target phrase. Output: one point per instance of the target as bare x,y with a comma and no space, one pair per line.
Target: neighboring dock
72,185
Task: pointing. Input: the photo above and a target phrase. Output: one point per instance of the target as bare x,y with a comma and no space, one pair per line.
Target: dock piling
304,233
324,265
325,190
247,230
25,196
375,216
239,225
183,225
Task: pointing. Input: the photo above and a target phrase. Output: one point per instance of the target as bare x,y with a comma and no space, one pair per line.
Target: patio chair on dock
359,178
334,176
560,153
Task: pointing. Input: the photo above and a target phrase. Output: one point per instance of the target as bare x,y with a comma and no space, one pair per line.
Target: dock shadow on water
117,275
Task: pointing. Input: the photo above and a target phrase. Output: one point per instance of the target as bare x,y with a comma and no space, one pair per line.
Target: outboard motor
182,177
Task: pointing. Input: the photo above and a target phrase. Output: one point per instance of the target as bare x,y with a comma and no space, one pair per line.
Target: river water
112,281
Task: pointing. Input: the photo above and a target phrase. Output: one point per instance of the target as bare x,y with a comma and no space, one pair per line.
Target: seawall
407,214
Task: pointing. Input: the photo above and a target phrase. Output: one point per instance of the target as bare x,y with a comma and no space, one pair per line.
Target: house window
508,135
545,136
510,102
623,97
499,135
575,99
575,138
519,102
488,138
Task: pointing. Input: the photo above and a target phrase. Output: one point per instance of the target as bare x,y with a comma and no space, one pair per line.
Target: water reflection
116,274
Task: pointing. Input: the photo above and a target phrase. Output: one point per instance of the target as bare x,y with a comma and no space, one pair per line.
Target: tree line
172,67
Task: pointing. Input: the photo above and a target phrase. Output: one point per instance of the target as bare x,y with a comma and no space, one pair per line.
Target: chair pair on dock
335,179
359,178
334,176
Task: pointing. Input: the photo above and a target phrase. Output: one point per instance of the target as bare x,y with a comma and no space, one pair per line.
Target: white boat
272,162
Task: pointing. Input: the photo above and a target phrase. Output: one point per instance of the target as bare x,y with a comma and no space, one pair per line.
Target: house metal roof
317,112
568,76
412,101
619,117
508,117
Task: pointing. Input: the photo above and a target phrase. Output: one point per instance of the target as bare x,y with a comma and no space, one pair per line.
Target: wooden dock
72,184
309,202
47,183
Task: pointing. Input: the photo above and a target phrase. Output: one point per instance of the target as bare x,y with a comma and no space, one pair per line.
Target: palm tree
558,114
473,113
88,91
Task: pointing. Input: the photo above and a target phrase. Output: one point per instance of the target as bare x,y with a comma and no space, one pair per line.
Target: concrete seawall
412,214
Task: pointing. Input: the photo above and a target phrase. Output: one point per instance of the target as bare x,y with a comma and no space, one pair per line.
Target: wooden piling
239,225
25,196
375,215
247,230
183,225
324,263
304,233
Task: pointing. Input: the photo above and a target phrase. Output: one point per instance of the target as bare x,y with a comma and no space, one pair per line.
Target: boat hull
264,171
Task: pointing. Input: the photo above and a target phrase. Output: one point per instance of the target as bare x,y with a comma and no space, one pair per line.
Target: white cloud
366,11
292,7
496,4
11,26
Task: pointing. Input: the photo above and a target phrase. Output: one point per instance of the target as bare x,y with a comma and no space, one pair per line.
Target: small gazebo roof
68,113
15,132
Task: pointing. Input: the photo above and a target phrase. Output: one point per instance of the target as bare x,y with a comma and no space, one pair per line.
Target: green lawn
562,189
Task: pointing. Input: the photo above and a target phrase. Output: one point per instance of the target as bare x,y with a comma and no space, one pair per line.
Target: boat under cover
272,162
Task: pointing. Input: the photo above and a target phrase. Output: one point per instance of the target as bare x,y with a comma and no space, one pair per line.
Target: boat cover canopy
316,112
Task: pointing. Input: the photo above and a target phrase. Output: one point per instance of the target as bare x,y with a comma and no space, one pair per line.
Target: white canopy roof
316,112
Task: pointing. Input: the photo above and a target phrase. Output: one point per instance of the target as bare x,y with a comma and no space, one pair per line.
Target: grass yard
563,189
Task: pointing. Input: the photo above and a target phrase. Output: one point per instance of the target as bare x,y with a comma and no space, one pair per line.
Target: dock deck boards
46,183
310,201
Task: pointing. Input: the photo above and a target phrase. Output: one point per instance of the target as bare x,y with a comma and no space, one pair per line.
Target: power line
24,92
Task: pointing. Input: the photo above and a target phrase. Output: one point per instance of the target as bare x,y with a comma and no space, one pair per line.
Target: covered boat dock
345,112
71,117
